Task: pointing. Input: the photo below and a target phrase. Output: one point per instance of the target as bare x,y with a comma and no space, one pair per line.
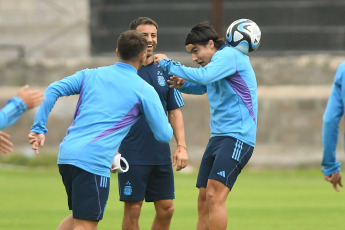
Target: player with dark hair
23,101
111,100
228,78
150,176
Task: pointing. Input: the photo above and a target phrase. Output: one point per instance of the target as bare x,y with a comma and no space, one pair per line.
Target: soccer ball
244,35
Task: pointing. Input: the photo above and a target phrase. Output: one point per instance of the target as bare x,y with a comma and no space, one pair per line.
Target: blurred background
302,44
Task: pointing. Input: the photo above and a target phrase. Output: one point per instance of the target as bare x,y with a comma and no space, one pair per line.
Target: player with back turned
111,99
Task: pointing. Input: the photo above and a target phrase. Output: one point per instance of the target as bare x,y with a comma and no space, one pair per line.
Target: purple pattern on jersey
128,119
241,88
80,100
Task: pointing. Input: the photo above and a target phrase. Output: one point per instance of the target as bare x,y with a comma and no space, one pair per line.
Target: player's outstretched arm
31,98
5,143
176,82
36,140
159,57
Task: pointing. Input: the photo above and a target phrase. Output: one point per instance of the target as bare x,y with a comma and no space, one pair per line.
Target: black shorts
87,193
223,160
149,182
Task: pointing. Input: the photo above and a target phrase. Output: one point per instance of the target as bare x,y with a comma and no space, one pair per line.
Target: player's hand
159,57
32,98
5,143
335,180
176,82
180,158
36,140
112,170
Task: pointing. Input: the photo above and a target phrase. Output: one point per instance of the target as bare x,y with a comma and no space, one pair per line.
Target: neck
148,60
136,64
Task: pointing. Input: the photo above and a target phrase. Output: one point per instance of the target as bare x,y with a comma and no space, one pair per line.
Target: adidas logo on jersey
222,174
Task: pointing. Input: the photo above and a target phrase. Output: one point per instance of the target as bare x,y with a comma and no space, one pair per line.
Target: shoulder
226,53
150,69
340,74
341,67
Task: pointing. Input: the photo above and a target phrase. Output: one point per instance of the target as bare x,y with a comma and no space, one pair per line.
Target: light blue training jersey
331,118
11,112
230,83
111,99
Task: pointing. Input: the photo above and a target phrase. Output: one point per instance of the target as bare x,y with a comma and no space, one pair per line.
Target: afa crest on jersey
160,78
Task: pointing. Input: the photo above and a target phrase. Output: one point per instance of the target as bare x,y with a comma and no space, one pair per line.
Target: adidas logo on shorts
222,174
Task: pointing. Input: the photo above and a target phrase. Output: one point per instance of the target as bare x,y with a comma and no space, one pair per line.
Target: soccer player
23,101
111,100
150,175
330,129
228,78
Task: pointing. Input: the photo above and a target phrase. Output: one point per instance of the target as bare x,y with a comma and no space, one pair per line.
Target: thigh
85,224
66,172
229,159
87,193
206,163
133,183
161,184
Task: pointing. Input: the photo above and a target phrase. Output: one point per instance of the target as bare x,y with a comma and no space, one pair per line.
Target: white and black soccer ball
244,35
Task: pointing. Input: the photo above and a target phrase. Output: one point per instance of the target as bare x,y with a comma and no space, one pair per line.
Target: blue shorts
223,160
87,193
149,182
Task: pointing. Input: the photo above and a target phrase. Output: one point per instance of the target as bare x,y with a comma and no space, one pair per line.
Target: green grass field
33,198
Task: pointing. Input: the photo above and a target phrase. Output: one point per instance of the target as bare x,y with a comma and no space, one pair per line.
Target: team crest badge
127,189
160,78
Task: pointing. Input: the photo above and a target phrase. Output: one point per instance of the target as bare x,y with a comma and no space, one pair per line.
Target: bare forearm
176,121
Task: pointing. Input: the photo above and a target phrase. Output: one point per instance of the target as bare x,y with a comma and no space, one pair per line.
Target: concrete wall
292,91
44,28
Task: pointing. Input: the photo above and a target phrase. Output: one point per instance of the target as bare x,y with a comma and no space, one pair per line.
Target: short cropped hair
202,33
142,20
130,45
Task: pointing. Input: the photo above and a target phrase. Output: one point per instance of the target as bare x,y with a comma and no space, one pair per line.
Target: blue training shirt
331,118
11,112
111,99
140,147
230,83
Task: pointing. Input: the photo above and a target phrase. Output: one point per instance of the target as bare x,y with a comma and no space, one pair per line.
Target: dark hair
202,33
130,45
142,20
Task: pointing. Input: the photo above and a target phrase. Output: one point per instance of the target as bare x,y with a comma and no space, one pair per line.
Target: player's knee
133,209
211,196
166,212
202,202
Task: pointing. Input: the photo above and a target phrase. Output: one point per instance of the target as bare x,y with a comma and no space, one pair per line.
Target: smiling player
150,176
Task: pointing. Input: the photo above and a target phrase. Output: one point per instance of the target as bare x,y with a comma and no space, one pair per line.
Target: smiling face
150,33
201,54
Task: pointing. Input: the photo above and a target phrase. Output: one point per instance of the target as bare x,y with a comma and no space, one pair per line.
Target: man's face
150,33
201,54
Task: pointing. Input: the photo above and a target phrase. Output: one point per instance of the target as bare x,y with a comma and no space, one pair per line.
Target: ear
142,58
211,44
117,52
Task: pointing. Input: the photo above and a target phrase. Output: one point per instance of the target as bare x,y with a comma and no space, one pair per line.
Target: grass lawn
33,198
